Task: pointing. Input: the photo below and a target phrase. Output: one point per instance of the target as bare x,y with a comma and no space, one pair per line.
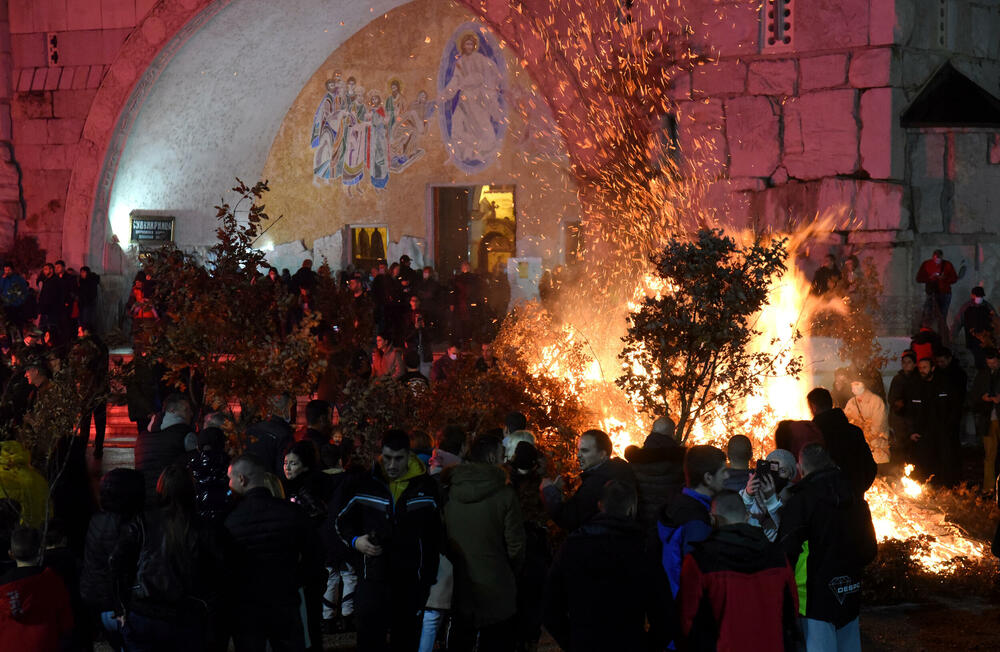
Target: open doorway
474,223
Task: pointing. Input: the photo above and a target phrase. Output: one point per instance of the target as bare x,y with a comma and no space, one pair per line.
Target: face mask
857,389
937,261
453,356
779,483
977,300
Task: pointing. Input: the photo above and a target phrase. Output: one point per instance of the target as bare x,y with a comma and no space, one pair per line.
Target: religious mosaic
471,91
361,137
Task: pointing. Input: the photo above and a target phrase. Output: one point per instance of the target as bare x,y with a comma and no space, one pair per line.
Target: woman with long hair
168,571
306,485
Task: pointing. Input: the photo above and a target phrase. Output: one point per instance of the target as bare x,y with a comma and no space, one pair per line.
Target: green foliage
224,325
479,401
692,340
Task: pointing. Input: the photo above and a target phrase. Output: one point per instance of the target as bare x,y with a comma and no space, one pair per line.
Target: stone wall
52,99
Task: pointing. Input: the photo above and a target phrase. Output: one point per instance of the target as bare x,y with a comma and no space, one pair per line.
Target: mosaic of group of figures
361,136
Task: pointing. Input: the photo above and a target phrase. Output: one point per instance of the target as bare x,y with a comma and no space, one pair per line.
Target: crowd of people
463,543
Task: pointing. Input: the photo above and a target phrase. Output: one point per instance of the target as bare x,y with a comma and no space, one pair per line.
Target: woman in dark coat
123,493
306,485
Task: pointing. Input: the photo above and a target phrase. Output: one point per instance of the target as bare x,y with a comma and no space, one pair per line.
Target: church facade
450,130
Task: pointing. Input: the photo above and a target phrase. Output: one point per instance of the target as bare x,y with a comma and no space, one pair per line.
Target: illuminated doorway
477,224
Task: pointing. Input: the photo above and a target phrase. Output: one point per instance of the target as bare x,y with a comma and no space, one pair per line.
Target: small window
369,245
777,25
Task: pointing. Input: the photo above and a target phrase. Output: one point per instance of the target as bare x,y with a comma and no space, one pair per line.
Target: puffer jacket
276,546
659,476
213,498
827,533
408,528
486,541
155,451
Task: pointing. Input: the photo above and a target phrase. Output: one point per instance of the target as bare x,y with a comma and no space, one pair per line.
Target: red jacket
937,278
35,612
738,592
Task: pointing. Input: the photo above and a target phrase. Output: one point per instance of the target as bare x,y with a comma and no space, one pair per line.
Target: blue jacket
683,522
13,290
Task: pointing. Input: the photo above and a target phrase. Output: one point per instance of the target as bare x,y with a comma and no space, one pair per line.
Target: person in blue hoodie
685,520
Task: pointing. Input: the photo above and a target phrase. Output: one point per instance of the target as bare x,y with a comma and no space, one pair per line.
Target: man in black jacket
936,405
659,471
985,398
594,451
392,522
845,442
604,586
275,550
827,533
270,438
155,451
957,382
319,425
902,391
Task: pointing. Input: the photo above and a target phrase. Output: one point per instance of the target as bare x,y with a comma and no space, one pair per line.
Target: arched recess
169,31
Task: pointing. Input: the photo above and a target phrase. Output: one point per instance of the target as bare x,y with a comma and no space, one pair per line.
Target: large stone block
81,48
882,23
871,68
32,106
85,15
700,131
724,29
926,154
30,132
821,134
72,104
727,77
879,206
117,13
64,131
828,24
877,132
29,50
752,134
772,77
976,186
824,71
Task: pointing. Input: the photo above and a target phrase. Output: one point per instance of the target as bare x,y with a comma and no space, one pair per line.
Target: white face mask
857,389
977,300
453,356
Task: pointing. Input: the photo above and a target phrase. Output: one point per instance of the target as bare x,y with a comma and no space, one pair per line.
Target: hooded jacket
21,482
486,542
735,582
35,611
602,589
827,533
404,517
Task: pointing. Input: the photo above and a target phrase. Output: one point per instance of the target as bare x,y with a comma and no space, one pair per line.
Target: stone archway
136,71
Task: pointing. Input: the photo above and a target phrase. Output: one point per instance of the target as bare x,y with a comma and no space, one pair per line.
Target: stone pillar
11,196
